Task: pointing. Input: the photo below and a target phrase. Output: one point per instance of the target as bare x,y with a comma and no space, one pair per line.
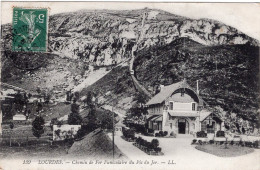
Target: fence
11,138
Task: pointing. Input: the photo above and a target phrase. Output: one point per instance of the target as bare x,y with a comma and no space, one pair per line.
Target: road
185,156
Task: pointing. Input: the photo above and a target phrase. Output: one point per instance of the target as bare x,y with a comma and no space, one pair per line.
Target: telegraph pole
113,133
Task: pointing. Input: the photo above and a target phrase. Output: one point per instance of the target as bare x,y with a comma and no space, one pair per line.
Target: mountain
103,37
170,47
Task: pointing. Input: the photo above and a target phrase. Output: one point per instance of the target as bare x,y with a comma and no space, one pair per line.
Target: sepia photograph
129,85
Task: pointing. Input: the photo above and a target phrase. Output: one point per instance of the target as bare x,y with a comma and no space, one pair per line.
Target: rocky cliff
105,37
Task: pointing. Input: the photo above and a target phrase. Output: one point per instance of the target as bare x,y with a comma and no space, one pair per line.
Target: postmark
30,27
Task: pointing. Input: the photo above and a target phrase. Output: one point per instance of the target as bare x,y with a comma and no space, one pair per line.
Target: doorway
183,126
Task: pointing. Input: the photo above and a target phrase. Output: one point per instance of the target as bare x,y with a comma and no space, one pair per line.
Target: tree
74,117
155,143
38,126
92,119
74,107
89,99
76,94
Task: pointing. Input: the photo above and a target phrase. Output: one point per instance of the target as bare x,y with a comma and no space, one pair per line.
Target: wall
156,109
181,102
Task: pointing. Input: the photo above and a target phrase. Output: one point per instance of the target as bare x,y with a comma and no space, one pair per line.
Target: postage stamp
30,29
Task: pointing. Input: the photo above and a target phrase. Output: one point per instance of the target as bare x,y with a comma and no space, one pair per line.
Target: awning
157,118
149,117
204,115
184,114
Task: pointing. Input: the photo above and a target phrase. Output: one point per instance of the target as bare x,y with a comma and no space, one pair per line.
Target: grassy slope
96,145
233,85
113,87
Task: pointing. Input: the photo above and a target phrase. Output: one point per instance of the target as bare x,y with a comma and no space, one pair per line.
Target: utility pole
113,130
113,133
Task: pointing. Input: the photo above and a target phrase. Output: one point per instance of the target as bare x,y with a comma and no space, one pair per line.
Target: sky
243,16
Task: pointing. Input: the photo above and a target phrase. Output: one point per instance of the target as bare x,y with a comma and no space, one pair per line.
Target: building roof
168,90
155,118
204,114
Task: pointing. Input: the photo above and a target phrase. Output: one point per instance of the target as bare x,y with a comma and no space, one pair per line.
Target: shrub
37,126
249,144
241,143
74,119
150,131
157,135
80,133
220,134
158,149
232,142
129,133
165,133
211,141
200,142
161,133
172,134
256,144
155,143
138,140
201,134
194,141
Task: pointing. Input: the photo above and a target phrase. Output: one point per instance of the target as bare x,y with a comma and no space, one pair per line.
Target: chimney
197,86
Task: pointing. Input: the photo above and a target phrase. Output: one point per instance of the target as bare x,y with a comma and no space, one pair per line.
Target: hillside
222,58
228,75
95,145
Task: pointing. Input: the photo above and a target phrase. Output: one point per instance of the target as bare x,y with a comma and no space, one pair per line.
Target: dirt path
186,156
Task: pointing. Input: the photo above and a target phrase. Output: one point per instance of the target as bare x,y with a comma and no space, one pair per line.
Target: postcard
130,85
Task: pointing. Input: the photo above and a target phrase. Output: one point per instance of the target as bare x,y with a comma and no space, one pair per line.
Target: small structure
178,108
19,117
65,132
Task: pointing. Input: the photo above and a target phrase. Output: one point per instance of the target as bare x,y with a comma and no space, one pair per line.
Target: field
34,151
219,150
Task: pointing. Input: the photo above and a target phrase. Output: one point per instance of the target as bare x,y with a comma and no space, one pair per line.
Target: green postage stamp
30,29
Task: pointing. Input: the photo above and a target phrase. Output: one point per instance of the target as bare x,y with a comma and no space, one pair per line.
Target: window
171,125
193,106
171,105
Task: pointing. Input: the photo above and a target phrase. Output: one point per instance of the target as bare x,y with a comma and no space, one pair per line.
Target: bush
158,149
256,144
241,143
150,131
129,133
172,134
37,126
138,140
161,133
232,142
74,119
155,143
249,144
194,141
211,141
81,132
165,133
201,134
200,142
157,135
220,134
